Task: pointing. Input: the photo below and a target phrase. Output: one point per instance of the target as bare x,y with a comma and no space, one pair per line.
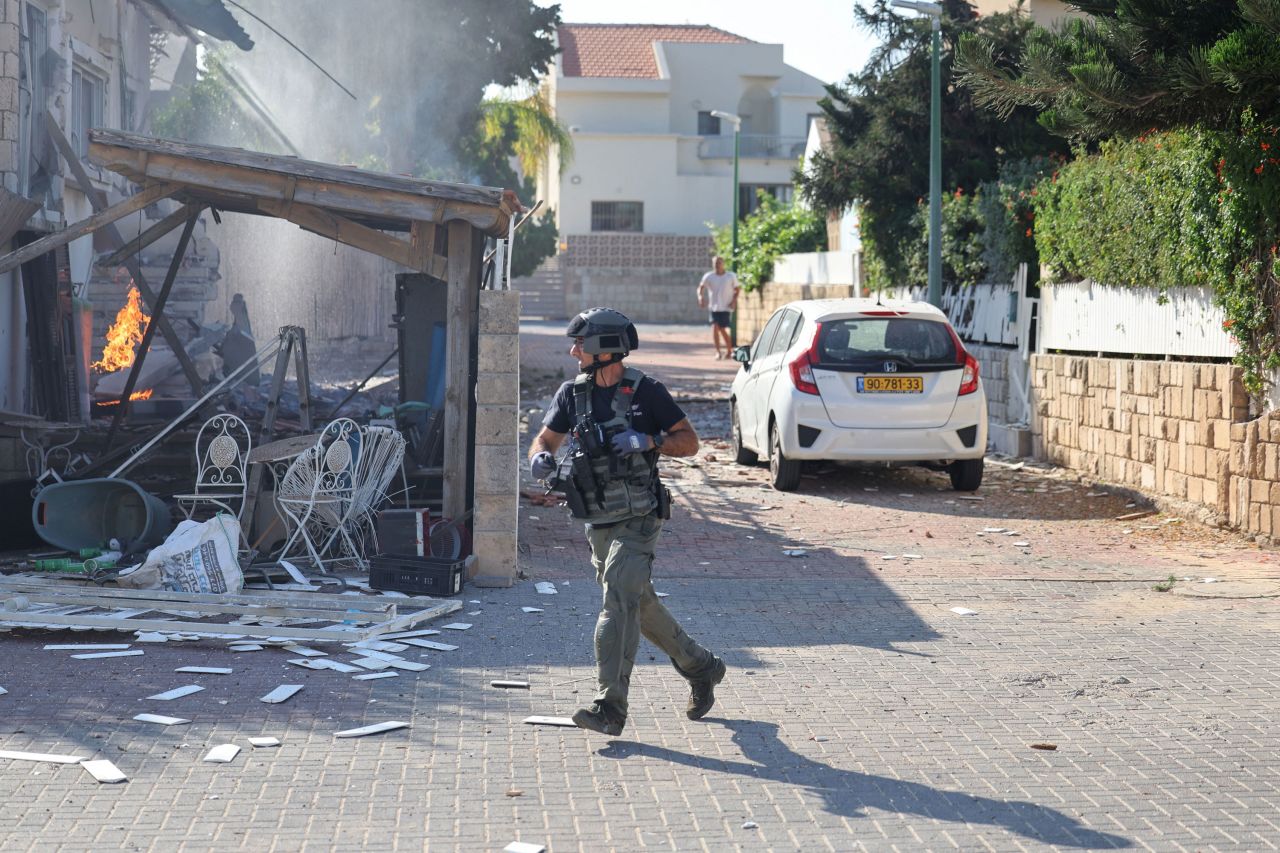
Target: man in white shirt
718,291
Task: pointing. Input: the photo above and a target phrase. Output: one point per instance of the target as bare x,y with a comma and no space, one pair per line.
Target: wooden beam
98,200
151,235
48,243
365,195
422,239
459,319
343,230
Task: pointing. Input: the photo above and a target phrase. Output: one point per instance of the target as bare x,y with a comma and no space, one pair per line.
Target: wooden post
148,336
460,318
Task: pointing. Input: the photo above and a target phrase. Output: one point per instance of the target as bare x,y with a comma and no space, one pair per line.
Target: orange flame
136,395
124,335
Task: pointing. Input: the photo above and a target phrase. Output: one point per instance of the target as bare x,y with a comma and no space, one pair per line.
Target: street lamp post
934,11
733,246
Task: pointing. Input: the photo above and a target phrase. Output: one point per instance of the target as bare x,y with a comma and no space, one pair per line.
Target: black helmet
604,331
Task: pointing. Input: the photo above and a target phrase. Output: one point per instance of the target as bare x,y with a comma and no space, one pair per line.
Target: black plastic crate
417,575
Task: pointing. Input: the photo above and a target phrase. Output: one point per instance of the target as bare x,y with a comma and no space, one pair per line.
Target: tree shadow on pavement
850,794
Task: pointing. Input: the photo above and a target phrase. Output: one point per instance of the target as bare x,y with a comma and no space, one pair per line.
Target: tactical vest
624,486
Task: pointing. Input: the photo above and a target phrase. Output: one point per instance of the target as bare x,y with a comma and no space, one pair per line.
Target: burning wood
136,395
124,336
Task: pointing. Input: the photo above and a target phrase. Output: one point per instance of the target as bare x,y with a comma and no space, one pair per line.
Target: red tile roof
626,50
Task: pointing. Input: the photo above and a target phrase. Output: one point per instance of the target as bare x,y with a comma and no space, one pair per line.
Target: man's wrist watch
658,441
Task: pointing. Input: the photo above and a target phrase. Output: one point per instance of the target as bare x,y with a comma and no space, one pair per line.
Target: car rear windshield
903,339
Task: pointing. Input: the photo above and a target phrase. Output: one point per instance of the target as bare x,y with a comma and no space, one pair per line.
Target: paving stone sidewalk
859,711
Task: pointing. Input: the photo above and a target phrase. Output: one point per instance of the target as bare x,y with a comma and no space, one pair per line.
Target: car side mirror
742,355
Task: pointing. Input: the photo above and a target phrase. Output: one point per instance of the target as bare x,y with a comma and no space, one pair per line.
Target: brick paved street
859,712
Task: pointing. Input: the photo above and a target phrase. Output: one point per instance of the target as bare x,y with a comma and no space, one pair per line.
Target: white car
857,380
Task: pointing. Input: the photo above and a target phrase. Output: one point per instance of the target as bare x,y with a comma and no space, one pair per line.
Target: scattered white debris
964,611
3,691
104,771
523,847
913,556
430,644
475,601
537,720
222,753
177,693
750,824
151,637
85,647
411,666
1022,544
906,494
474,612
546,588
662,594
795,552
161,719
457,626
888,556
426,632
972,498
1095,494
376,728
377,646
374,664
304,651
372,676
994,529
95,655
246,647
264,741
870,489
514,685
1209,580
531,609
40,756
281,693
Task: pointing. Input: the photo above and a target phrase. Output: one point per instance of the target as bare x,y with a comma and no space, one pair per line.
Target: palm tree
528,126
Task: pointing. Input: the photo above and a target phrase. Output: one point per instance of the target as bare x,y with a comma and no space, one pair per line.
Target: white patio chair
222,452
381,454
315,494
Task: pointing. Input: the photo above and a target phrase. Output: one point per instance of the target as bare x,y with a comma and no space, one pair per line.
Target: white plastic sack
198,556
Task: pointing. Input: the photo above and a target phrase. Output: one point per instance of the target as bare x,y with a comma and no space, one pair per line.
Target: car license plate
890,384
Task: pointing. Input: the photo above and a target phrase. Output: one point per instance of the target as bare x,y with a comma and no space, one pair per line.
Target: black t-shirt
652,409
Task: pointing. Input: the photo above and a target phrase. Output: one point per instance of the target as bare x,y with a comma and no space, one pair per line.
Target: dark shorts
720,318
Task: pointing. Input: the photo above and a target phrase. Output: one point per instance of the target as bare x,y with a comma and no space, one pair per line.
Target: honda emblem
890,367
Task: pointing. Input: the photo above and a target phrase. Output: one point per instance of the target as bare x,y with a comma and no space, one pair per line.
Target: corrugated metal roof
626,50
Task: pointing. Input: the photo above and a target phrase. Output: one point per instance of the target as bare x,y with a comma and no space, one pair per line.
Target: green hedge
1181,208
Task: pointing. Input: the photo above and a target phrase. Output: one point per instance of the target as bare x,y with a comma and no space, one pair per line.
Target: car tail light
802,365
969,378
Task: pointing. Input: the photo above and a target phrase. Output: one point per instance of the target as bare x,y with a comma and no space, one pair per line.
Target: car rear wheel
741,455
966,474
784,473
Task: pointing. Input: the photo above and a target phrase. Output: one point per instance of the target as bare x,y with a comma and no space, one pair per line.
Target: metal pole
733,250
935,172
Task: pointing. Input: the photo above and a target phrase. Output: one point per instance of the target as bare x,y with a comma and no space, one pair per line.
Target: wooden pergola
444,226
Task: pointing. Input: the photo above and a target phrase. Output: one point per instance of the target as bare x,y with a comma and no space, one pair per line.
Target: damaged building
125,344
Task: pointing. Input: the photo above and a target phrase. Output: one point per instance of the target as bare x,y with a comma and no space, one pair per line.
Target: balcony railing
756,146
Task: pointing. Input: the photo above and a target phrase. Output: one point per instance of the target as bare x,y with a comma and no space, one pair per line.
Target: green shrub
1006,209
1182,208
772,230
962,247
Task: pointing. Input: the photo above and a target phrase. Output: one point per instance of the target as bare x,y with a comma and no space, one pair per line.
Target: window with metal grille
708,125
617,216
88,95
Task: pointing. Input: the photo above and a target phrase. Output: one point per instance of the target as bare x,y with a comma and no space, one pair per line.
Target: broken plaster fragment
104,771
222,753
457,626
544,588
260,742
524,847
177,693
281,694
964,611
376,728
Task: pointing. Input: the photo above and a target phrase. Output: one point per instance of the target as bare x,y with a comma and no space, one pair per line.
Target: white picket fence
1088,317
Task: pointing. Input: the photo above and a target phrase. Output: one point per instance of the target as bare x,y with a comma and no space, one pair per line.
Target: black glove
631,441
541,465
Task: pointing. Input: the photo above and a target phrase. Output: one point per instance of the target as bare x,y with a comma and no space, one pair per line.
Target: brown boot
600,718
702,688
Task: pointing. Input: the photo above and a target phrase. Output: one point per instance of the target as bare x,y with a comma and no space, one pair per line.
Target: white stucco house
652,166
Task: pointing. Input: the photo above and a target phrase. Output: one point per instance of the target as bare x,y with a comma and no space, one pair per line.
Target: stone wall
997,371
1251,487
10,16
497,470
652,278
1166,428
755,308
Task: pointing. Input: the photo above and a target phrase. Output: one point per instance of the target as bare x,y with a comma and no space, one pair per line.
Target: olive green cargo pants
623,559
